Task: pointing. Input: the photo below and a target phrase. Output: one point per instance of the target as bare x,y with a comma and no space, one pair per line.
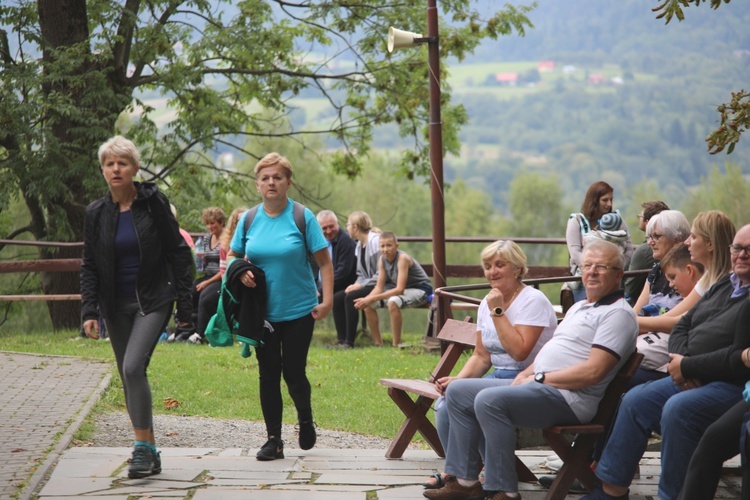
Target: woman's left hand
321,310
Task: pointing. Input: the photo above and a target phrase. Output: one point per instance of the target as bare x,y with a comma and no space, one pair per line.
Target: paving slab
43,401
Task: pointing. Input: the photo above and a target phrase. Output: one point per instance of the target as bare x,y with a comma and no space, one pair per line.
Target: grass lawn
219,383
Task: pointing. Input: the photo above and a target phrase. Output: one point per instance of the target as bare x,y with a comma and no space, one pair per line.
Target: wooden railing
537,274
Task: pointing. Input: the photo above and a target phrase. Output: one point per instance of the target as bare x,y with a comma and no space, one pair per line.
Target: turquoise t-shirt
275,245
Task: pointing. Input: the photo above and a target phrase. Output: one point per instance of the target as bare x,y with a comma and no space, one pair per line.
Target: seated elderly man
563,386
703,385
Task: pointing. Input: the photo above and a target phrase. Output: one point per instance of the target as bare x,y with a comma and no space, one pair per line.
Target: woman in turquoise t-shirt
275,243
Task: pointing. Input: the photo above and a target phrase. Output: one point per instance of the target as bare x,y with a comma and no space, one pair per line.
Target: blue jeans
441,416
484,414
679,416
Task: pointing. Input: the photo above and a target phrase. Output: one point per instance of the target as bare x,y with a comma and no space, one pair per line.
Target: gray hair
326,214
672,223
119,146
606,247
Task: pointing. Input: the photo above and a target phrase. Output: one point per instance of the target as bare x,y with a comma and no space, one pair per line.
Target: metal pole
436,149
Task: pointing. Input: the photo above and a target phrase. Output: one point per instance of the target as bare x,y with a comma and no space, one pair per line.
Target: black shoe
576,487
307,434
273,449
144,463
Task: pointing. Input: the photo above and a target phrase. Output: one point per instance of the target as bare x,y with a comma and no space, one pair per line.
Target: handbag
654,347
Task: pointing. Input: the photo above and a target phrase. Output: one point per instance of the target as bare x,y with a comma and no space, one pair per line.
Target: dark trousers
720,442
345,315
207,303
285,352
196,296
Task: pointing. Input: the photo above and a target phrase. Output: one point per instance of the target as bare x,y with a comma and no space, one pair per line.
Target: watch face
497,311
539,377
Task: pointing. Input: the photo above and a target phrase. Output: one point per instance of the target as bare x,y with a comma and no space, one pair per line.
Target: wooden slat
41,266
45,298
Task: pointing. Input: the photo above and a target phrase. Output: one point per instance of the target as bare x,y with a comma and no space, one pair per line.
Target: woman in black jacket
135,265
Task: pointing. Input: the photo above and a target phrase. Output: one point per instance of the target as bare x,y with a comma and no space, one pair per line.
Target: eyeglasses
599,268
738,249
640,216
654,237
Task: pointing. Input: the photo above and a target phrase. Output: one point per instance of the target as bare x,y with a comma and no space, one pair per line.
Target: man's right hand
91,328
352,287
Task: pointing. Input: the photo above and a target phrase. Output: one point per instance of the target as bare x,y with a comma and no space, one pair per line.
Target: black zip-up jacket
166,269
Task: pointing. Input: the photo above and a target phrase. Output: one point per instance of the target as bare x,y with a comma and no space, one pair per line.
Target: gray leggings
133,337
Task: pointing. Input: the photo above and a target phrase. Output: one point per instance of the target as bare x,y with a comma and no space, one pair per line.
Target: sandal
440,481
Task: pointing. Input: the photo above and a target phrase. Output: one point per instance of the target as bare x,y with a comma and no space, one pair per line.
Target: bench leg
416,420
576,463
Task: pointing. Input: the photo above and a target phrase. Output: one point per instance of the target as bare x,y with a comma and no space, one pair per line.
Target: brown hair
214,213
590,205
679,256
651,208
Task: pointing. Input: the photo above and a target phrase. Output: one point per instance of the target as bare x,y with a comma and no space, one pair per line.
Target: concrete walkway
44,399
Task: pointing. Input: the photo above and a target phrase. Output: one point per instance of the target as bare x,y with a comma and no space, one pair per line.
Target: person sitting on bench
562,386
402,282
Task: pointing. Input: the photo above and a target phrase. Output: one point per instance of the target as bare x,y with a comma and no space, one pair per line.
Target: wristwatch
539,377
497,311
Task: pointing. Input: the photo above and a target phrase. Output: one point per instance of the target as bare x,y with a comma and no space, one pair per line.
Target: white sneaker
195,338
554,464
170,338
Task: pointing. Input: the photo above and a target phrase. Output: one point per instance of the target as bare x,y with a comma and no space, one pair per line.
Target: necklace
507,304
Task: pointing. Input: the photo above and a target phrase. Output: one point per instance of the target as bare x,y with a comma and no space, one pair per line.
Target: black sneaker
307,434
144,463
273,449
576,487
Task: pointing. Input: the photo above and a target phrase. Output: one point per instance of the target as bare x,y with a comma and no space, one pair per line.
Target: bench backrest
458,336
616,388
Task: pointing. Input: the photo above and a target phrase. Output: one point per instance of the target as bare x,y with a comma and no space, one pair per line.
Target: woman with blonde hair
274,243
710,236
367,254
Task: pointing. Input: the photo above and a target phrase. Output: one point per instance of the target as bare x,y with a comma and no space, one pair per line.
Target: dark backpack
299,219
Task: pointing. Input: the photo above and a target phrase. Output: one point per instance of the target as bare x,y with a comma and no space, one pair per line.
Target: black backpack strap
249,217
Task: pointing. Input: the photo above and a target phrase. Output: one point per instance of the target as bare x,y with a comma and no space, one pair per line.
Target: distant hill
648,126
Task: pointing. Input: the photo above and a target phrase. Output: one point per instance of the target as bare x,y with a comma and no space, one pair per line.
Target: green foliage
673,8
537,211
727,191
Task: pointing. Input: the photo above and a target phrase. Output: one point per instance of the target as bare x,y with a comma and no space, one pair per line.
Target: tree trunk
64,24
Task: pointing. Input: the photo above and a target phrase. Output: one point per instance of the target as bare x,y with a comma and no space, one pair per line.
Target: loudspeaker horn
399,39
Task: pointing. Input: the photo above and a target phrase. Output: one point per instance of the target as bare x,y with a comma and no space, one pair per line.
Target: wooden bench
576,451
458,336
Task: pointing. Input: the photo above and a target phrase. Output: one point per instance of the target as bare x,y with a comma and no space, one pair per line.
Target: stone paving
44,399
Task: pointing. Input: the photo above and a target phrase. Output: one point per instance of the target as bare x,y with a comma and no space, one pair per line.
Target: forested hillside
628,99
